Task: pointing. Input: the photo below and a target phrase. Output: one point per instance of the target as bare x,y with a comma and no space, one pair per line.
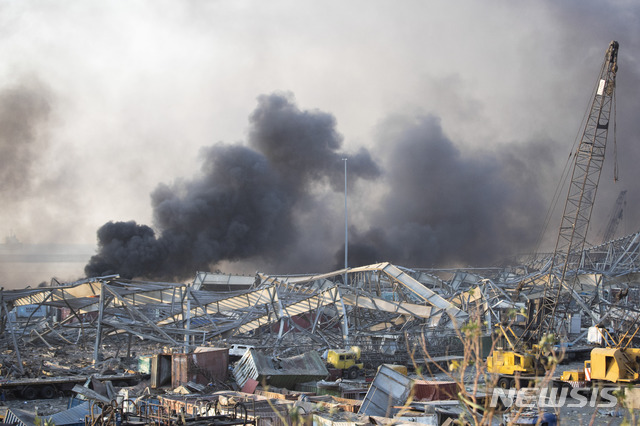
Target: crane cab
615,365
510,363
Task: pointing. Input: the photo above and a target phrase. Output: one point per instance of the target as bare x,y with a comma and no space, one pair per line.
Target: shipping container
428,390
160,370
280,372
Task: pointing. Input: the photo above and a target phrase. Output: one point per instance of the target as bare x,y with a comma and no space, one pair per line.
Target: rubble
384,309
161,333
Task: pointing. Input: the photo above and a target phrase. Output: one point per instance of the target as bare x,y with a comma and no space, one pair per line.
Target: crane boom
587,167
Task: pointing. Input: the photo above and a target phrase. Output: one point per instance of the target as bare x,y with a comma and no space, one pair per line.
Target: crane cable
615,143
567,169
565,177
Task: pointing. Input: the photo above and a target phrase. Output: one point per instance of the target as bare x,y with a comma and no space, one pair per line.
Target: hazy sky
104,103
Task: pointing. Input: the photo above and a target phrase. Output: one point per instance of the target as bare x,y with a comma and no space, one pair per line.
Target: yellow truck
346,360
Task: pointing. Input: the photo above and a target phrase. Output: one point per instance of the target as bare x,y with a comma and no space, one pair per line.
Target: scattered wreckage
393,314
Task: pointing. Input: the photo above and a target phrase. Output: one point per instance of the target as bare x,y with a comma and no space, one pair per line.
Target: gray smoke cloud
24,109
447,207
443,206
303,145
242,205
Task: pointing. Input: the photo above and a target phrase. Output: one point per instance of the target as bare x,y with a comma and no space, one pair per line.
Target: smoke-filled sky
199,135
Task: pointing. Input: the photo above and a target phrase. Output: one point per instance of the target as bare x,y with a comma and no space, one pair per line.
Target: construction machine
511,365
616,363
346,360
524,352
613,365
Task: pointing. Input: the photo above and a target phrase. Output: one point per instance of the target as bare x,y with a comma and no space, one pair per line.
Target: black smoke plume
243,203
442,206
445,207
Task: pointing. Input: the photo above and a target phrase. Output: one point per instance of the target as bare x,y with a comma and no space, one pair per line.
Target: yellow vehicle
573,376
614,365
515,368
346,360
511,365
617,363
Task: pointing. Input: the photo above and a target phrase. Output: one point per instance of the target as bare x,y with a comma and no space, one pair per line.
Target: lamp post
345,322
346,224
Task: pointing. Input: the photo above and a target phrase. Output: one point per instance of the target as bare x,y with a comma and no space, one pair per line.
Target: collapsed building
385,309
394,314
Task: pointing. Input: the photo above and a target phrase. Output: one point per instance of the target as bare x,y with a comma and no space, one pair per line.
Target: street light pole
346,224
345,322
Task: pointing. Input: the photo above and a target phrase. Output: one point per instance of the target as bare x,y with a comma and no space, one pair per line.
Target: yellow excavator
522,358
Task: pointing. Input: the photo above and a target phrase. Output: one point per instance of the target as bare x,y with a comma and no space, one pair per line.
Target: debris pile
169,343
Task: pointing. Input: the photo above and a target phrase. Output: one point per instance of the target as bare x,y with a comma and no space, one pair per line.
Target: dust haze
178,137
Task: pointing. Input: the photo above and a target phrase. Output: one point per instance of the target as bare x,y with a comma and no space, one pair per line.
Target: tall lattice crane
588,160
587,167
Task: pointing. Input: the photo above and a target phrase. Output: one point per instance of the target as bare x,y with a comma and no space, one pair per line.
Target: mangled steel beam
614,257
458,317
235,302
308,304
12,331
401,308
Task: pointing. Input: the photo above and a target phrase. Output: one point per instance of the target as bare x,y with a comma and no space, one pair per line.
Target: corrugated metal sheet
280,372
19,417
73,416
388,389
224,279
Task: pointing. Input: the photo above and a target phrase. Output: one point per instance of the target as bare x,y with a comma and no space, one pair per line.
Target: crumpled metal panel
279,372
458,316
388,389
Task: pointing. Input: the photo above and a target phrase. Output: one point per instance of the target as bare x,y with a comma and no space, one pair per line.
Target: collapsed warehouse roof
380,307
